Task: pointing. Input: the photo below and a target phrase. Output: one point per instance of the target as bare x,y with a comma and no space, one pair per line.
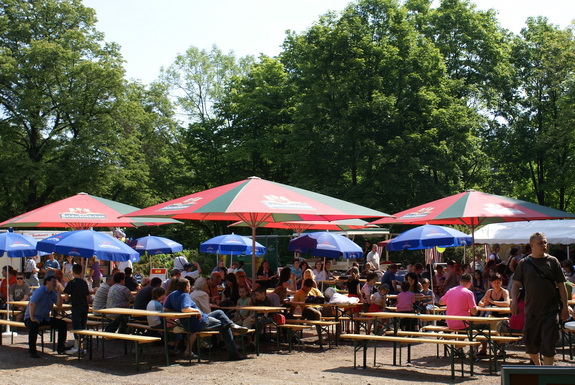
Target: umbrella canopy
87,243
474,208
301,226
153,245
231,244
17,245
257,201
428,236
82,211
325,244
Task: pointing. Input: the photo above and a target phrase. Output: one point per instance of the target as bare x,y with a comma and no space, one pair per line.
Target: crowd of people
463,289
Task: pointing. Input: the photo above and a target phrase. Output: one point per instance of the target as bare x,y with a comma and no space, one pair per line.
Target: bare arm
515,296
563,295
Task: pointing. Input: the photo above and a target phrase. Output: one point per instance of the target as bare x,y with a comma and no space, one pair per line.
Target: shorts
541,333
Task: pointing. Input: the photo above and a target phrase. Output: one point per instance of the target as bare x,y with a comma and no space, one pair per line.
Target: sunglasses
19,278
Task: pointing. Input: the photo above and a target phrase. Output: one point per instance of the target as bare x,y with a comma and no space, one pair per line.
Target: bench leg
137,356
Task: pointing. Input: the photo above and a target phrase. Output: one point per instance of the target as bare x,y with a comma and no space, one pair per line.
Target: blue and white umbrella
231,244
88,243
17,245
427,237
153,245
325,244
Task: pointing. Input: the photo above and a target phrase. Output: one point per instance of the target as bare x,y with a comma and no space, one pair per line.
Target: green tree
60,86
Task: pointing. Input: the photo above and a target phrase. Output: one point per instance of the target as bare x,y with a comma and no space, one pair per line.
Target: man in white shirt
188,270
373,256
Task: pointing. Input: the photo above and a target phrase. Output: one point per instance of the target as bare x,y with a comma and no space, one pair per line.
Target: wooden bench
293,330
115,336
17,324
455,347
322,326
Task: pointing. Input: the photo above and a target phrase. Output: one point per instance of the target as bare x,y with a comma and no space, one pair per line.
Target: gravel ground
333,366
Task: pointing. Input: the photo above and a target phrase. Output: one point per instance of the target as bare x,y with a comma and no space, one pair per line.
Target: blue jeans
219,320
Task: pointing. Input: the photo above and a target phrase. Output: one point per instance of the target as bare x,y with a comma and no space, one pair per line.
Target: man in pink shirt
460,301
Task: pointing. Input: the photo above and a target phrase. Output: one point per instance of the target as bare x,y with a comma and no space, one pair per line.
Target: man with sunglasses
20,291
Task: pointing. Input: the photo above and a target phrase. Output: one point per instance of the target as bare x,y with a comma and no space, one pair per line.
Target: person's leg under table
62,329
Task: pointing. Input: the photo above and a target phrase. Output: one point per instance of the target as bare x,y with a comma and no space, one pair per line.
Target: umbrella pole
8,331
253,256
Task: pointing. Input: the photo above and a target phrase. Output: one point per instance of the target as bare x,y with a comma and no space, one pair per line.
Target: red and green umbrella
301,226
473,208
257,201
82,211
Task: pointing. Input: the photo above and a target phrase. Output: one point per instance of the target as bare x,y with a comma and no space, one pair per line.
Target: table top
145,313
257,309
435,317
326,304
64,306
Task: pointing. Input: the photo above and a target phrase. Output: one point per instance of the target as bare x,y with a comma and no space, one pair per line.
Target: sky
152,33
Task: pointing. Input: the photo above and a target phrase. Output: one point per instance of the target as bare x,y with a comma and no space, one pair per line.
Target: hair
413,276
310,273
191,279
418,266
199,284
9,268
308,282
244,287
173,284
354,272
48,279
128,271
304,265
451,262
296,260
371,276
155,282
495,277
240,264
465,278
216,275
260,289
181,284
231,277
425,281
405,286
77,269
285,275
157,292
535,236
393,266
119,277
514,250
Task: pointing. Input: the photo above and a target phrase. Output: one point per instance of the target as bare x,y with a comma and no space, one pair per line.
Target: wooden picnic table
145,313
258,310
470,320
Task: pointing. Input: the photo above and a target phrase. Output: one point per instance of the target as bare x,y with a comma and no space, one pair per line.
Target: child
428,298
155,304
244,317
78,289
405,301
379,303
366,292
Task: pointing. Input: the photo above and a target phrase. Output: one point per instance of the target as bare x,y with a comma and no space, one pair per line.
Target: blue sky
151,32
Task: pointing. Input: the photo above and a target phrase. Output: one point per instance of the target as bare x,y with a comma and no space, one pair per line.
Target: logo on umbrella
182,205
419,213
326,244
279,202
496,209
79,213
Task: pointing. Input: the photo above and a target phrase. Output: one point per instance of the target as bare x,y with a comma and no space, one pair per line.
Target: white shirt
194,274
124,264
373,257
179,262
202,300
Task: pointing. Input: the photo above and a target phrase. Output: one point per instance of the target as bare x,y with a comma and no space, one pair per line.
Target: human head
231,280
495,279
155,282
183,285
77,270
285,274
405,286
244,291
465,280
119,278
295,263
425,283
52,255
215,278
418,268
354,272
411,277
383,289
307,285
200,283
495,248
393,267
175,273
128,271
371,278
50,282
241,277
308,274
158,292
145,281
538,242
514,250
327,265
260,293
318,266
303,266
19,277
265,264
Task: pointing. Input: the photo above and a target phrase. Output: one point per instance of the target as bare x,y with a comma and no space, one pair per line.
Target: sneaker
34,355
238,329
71,351
237,357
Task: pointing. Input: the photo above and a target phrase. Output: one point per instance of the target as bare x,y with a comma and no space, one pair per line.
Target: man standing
38,314
541,277
389,278
180,301
78,290
373,256
51,265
